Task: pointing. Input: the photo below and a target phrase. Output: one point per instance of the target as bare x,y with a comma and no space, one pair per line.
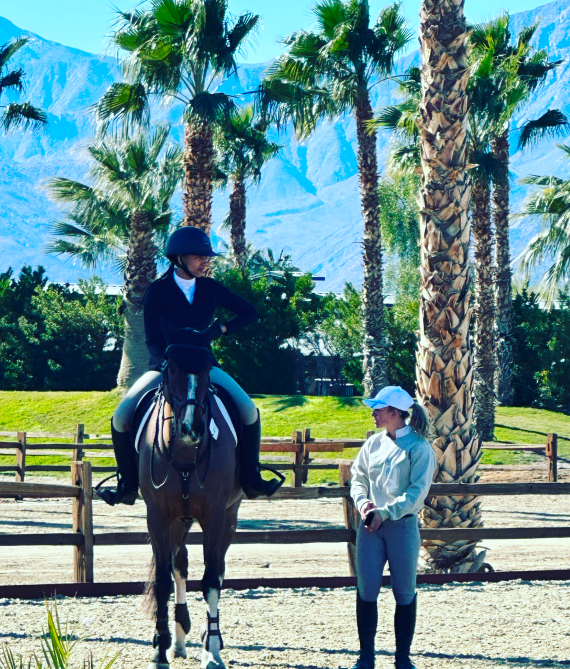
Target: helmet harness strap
183,266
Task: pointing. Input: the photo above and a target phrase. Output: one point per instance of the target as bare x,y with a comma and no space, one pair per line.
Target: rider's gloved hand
215,330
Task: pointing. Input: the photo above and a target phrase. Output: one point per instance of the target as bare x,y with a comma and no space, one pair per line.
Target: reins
160,448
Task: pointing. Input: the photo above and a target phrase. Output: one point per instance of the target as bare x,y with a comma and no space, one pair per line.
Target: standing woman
391,477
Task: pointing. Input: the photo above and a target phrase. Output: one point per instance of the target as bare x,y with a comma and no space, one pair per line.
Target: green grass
328,417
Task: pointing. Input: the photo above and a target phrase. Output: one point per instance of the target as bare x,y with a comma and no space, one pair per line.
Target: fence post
297,438
552,455
306,453
78,439
351,516
81,476
21,458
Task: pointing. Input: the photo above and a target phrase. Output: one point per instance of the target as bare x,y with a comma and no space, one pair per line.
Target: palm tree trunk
444,362
198,166
139,273
503,283
485,364
374,362
237,223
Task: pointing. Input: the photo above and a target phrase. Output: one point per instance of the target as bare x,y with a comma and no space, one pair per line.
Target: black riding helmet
188,241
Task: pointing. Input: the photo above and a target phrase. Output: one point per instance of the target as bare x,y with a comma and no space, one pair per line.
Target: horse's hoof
178,651
158,665
209,661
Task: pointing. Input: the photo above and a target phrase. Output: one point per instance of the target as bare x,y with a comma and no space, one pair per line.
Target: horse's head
186,380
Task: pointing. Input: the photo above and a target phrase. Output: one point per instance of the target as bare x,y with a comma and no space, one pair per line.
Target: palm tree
16,114
124,216
444,358
180,51
242,149
493,46
329,72
550,203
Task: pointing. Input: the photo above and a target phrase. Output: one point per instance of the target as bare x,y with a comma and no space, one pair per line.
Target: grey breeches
124,412
397,541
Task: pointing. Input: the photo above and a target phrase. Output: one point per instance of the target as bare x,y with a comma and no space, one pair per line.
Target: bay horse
188,471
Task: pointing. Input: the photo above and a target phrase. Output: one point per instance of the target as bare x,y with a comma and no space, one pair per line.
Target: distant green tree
263,357
242,148
123,216
180,51
55,339
16,114
541,346
328,72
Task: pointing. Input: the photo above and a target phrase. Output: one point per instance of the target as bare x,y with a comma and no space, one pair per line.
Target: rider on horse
184,298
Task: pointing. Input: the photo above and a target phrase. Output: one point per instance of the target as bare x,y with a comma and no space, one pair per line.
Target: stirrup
263,487
112,496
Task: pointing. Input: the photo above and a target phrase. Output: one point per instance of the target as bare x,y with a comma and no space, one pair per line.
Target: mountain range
307,203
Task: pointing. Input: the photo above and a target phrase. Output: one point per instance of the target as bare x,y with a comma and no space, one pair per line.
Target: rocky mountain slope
307,203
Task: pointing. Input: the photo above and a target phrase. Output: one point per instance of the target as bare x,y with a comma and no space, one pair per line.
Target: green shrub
54,339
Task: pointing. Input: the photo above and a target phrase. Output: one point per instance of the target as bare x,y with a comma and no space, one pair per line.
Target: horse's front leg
214,532
181,615
162,587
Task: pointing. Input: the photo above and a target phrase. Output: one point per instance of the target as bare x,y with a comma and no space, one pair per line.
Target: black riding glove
215,330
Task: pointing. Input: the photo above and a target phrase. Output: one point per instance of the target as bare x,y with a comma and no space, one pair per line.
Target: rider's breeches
397,541
150,380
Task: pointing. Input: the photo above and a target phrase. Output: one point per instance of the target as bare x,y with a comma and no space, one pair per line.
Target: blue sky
84,24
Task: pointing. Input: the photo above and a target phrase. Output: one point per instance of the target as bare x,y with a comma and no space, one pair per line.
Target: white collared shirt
395,475
187,286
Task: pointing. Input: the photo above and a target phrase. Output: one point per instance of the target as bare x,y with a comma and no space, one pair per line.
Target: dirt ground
473,626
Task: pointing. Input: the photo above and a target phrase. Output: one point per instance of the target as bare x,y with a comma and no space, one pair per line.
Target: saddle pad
142,414
220,416
226,417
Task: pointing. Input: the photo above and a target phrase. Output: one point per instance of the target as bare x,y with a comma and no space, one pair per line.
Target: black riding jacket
166,309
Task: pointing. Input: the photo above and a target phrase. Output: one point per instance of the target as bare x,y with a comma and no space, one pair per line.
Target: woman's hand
376,521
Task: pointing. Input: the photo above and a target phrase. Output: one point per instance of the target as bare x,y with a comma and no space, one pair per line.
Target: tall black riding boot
251,481
367,622
404,625
127,471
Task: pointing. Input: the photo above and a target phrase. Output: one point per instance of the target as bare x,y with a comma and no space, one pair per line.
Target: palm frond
128,102
552,123
209,107
329,14
10,48
24,115
243,29
68,190
14,80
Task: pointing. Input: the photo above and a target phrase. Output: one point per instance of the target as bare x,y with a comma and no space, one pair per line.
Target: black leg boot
251,481
367,622
404,625
127,471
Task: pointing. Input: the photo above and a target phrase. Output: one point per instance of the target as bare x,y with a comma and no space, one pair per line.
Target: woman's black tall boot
367,622
251,480
127,471
404,625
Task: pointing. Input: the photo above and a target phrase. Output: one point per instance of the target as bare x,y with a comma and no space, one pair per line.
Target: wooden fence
85,541
300,447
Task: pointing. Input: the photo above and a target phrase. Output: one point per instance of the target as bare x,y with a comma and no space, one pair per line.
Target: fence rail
300,446
84,540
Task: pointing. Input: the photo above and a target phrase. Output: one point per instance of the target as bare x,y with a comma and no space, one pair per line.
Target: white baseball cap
391,396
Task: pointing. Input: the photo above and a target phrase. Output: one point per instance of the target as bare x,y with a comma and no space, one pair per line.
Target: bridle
166,450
